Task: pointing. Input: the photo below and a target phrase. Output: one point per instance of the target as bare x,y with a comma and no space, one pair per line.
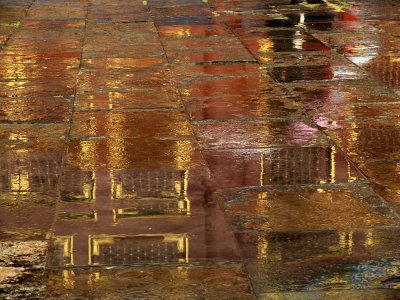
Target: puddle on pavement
316,72
150,282
295,73
257,134
281,167
331,260
184,158
289,210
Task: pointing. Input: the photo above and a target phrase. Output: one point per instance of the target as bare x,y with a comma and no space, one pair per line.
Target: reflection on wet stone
199,149
281,166
289,210
348,259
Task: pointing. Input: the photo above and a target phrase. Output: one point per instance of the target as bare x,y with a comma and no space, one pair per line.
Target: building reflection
345,258
281,166
118,206
130,201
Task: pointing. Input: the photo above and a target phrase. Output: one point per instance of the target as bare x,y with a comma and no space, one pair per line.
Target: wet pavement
188,149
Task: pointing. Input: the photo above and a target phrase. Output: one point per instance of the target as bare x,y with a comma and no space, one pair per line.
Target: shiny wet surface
199,149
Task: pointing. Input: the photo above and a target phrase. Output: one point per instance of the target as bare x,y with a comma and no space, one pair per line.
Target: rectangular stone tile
122,51
185,31
140,124
368,143
319,165
154,282
52,24
65,69
157,98
37,12
120,80
385,176
241,106
322,261
340,26
33,138
202,71
22,89
307,58
256,134
32,55
253,5
268,18
92,154
256,85
124,64
182,11
206,49
383,66
34,110
60,34
185,20
42,45
264,42
118,14
329,71
356,116
306,209
320,94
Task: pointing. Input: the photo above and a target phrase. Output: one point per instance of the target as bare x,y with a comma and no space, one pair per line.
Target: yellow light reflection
333,164
346,241
68,278
369,240
183,154
266,45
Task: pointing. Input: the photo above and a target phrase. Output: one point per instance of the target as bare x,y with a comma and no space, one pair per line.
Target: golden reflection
336,7
183,154
185,92
20,181
157,193
14,70
94,278
265,45
110,249
333,164
88,153
68,279
115,125
261,169
262,248
369,240
20,137
67,244
394,57
180,31
346,241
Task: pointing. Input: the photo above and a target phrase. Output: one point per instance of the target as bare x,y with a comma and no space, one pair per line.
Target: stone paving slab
188,149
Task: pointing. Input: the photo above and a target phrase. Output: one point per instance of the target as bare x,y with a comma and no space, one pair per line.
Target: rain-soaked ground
188,149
